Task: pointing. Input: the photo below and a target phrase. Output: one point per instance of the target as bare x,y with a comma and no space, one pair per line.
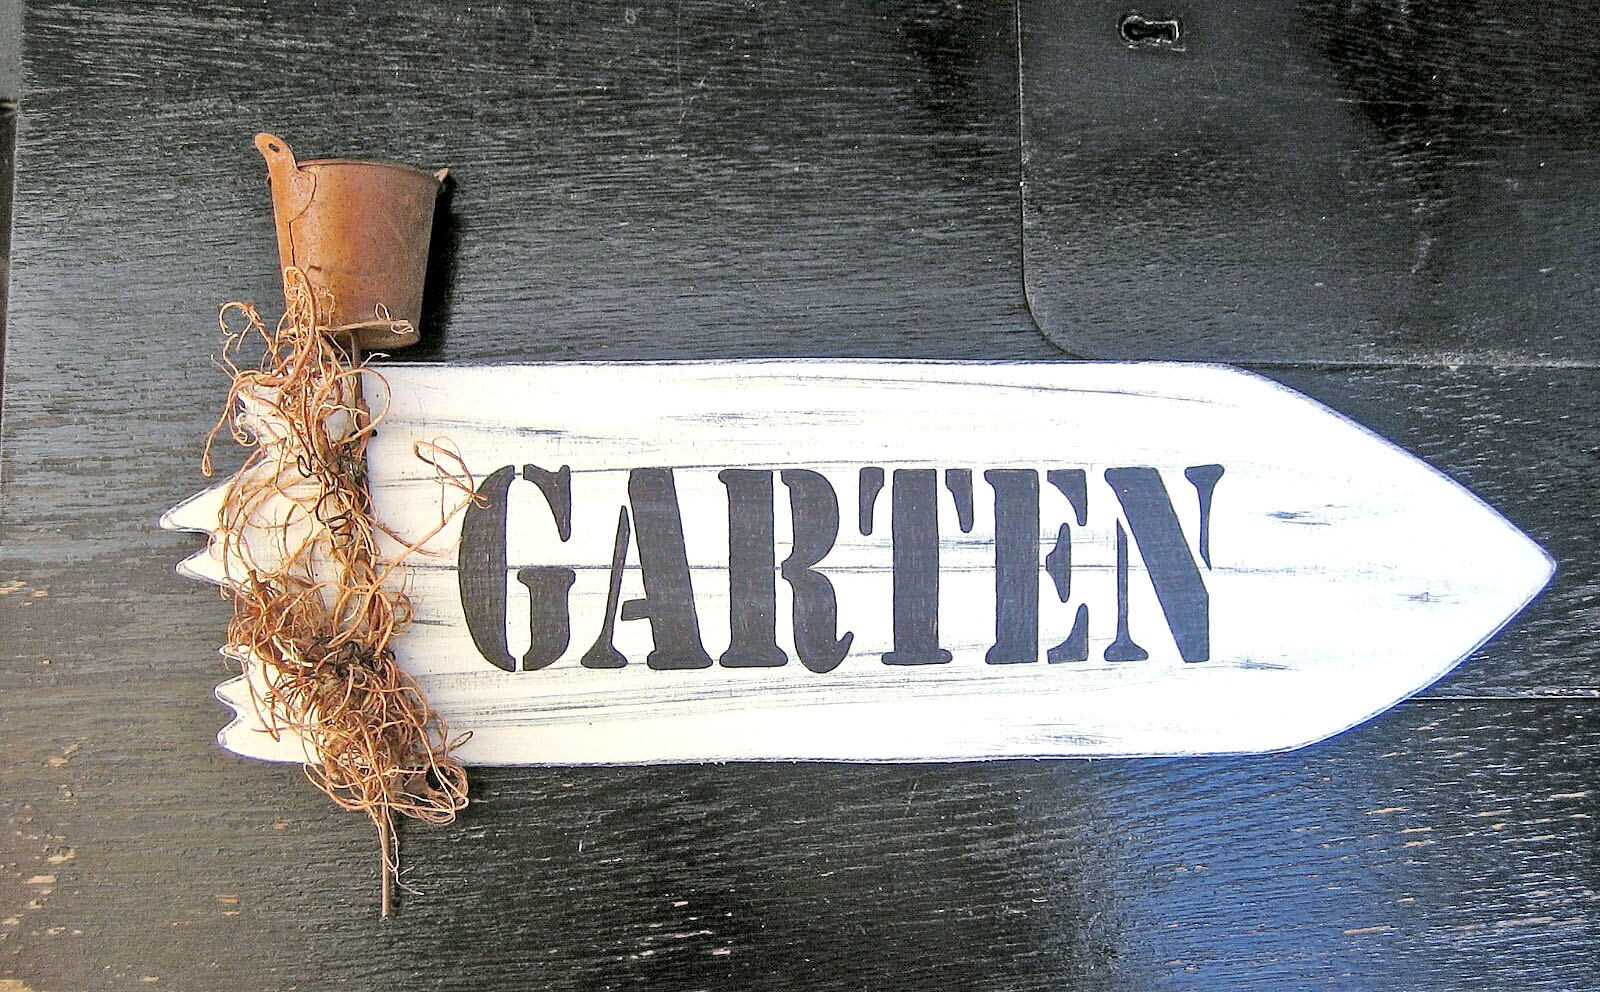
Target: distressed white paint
1346,574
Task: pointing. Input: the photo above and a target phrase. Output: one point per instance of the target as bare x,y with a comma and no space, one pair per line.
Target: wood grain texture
690,180
1446,833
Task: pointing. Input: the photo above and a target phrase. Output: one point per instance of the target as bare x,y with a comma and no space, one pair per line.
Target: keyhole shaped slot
1140,31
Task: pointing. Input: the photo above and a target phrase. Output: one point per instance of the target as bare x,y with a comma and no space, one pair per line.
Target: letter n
1173,572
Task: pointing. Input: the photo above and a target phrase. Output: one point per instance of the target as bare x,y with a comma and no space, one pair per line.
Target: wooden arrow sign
912,561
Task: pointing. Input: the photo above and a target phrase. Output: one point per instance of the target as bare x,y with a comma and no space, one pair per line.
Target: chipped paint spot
1529,922
66,755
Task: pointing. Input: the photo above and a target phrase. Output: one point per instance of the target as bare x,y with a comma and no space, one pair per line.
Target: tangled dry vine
315,603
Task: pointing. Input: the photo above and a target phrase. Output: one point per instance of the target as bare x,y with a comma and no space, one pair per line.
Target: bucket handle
292,188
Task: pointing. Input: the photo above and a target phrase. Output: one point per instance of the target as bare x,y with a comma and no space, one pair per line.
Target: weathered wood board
911,561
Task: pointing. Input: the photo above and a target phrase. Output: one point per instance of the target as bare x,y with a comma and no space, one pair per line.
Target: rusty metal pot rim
307,163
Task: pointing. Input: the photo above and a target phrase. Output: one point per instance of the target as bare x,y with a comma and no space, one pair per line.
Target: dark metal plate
1376,181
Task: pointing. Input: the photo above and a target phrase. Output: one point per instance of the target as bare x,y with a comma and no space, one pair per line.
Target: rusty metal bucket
359,230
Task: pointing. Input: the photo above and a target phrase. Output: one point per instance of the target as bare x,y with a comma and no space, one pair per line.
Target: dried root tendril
312,605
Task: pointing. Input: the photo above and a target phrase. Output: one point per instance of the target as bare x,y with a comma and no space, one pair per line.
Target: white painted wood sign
913,561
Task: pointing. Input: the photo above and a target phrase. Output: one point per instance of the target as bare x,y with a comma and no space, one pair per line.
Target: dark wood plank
1441,846
10,89
1361,182
690,180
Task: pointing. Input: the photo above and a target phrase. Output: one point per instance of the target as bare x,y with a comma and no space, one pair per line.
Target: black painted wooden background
698,179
